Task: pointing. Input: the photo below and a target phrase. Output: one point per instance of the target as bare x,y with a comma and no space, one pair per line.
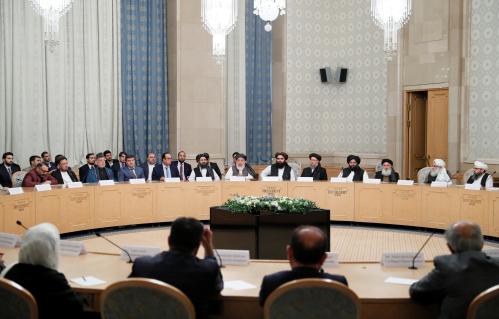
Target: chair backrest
485,305
296,168
312,298
17,178
423,174
16,302
467,175
145,298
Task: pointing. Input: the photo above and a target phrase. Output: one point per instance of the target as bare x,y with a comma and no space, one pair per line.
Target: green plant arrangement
276,205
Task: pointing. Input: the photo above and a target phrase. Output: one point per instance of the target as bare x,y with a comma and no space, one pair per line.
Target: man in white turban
438,172
480,177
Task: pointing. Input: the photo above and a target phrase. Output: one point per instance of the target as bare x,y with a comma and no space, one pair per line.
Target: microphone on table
419,251
18,222
116,245
219,258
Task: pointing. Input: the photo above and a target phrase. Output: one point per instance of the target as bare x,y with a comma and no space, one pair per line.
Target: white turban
481,165
40,246
439,162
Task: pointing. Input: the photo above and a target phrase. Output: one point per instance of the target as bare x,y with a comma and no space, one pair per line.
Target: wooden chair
16,302
485,305
145,298
312,298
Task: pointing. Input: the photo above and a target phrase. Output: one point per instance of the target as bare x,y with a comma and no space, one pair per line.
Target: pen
83,277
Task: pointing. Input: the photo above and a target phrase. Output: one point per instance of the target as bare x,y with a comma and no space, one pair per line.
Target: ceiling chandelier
219,19
51,11
269,10
390,15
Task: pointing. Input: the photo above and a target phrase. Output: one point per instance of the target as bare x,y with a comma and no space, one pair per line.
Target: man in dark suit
387,174
111,163
183,167
46,158
306,254
458,278
149,166
7,169
166,169
130,171
62,174
214,166
88,168
199,279
315,169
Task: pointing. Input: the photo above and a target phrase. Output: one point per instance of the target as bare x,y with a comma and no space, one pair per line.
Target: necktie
9,170
182,171
133,173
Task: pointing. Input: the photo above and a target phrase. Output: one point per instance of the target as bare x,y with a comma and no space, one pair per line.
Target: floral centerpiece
276,205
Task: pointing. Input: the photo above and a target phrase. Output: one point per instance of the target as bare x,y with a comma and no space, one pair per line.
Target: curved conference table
94,207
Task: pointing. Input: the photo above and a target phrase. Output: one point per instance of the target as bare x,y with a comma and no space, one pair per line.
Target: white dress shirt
66,178
167,172
230,173
149,176
192,177
280,171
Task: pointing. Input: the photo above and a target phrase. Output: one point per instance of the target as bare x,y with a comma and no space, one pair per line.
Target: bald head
464,236
308,245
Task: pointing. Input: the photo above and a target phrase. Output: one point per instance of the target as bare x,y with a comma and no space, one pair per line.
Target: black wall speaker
326,75
341,74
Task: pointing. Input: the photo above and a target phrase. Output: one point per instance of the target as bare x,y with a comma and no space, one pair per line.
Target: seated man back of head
199,279
306,255
458,278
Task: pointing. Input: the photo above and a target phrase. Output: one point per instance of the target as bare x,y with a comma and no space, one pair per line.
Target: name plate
233,257
106,182
9,240
493,189
405,182
337,180
305,179
139,251
15,191
137,181
72,248
494,253
473,187
204,179
172,180
332,260
401,259
237,179
43,187
439,184
374,181
270,178
75,185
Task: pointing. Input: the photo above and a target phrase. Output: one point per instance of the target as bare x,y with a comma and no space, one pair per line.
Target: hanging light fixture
390,15
219,19
269,10
51,11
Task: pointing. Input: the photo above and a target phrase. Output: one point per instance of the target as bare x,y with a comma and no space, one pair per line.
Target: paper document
238,285
88,281
400,281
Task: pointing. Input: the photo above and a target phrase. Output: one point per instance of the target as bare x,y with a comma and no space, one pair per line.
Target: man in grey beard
387,173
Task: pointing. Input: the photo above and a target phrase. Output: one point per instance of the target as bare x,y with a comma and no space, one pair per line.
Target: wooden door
417,132
437,125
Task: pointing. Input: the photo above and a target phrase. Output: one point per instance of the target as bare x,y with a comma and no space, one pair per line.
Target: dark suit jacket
187,169
83,172
158,172
319,173
54,297
393,178
115,168
126,174
214,166
58,176
456,280
273,281
199,279
5,178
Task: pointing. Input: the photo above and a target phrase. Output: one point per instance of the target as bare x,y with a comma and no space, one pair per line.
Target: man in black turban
281,169
353,173
387,174
315,170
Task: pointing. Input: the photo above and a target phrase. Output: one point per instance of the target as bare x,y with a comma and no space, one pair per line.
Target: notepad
400,281
88,281
238,285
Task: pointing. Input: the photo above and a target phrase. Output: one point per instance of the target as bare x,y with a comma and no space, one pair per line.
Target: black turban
353,157
282,154
386,160
317,156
